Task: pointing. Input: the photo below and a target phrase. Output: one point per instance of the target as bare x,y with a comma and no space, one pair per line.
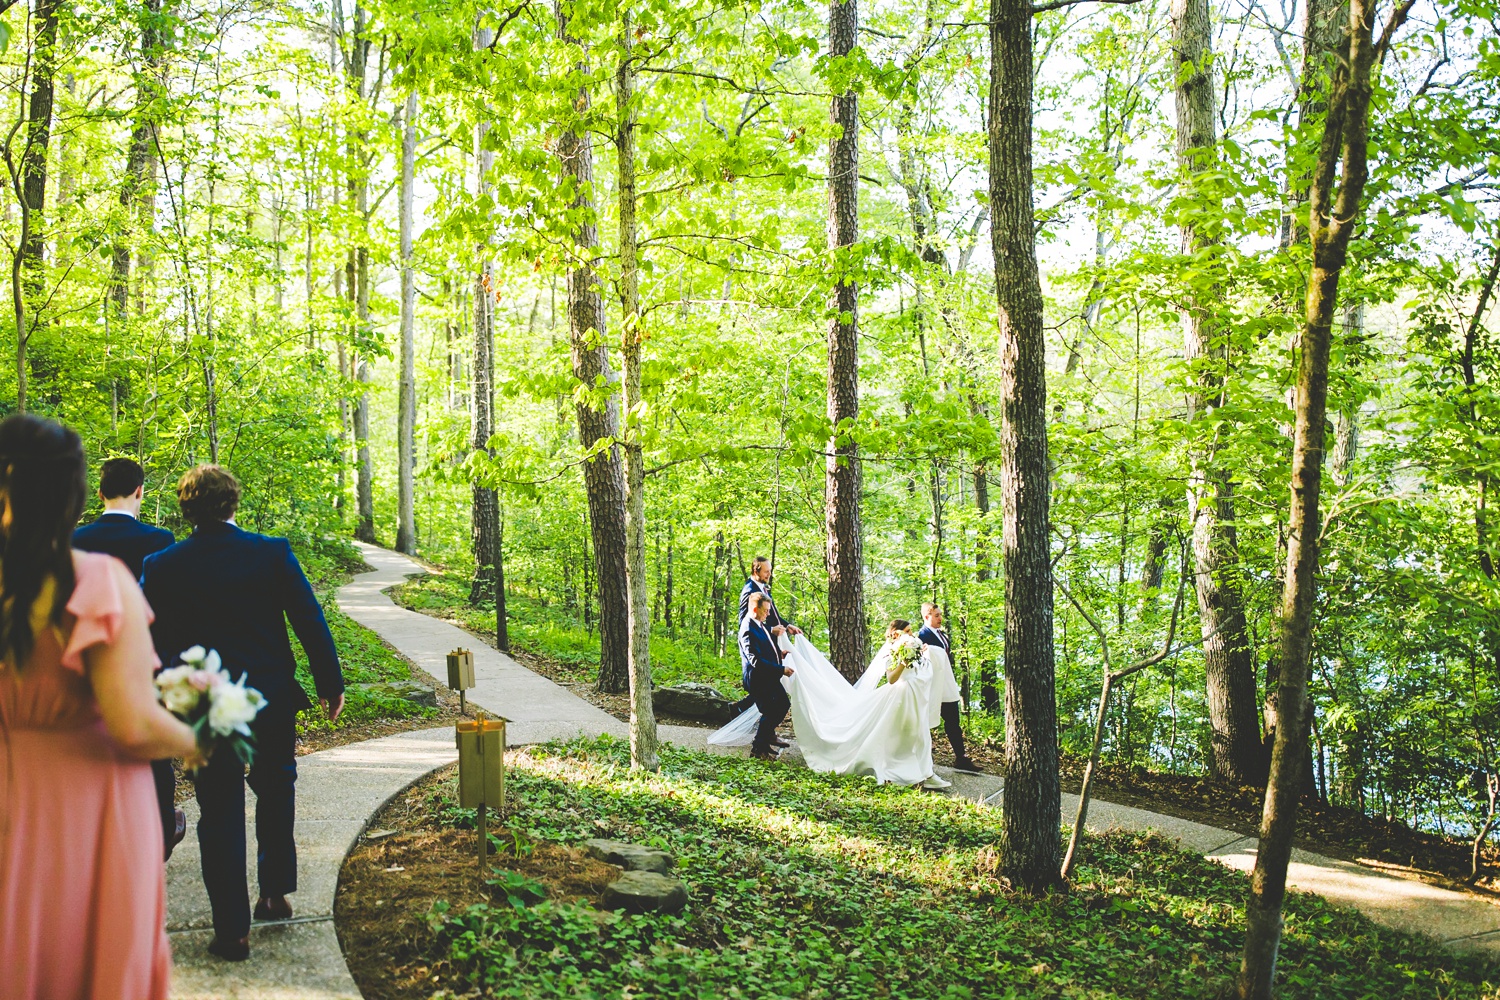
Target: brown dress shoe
764,754
779,742
273,908
230,951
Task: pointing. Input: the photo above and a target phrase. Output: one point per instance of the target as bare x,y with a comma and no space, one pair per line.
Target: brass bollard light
461,675
481,772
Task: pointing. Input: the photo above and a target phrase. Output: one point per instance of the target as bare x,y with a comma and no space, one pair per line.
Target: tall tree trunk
406,402
1031,855
1229,662
359,191
1334,210
848,634
643,745
603,477
1346,429
484,512
27,274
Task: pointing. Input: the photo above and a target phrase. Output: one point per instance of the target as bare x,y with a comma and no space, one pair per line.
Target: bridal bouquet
906,649
218,709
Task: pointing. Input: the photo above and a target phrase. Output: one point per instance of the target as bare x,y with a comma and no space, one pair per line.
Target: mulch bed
406,861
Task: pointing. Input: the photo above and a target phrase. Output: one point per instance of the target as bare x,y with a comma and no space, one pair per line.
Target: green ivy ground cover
814,886
552,632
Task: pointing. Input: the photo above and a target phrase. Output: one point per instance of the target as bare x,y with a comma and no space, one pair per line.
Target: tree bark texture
27,267
1031,854
1229,663
848,632
406,396
140,163
359,190
1334,210
484,511
604,479
643,742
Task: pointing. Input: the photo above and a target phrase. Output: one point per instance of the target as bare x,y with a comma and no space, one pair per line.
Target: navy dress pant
772,700
221,825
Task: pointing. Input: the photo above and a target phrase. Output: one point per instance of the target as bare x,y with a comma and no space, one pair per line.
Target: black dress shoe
965,764
236,950
273,908
764,754
779,742
179,826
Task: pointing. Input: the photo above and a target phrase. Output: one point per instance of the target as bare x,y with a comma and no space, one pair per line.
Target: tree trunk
1031,855
1229,663
598,421
27,275
406,402
139,162
643,745
484,512
1334,211
848,634
359,185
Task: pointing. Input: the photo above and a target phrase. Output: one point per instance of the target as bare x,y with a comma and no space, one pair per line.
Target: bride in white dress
880,726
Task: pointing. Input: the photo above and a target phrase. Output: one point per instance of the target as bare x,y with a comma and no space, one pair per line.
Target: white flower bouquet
219,710
906,649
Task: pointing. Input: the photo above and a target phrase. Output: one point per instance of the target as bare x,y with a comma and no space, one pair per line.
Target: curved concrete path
338,790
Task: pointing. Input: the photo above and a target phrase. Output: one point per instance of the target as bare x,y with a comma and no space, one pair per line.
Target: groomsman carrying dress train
119,532
235,591
761,672
760,583
944,687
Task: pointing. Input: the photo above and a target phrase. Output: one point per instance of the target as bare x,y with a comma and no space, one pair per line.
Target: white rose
180,699
230,710
196,655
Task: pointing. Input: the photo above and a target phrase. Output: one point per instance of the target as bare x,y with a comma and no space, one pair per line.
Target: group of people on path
87,787
878,726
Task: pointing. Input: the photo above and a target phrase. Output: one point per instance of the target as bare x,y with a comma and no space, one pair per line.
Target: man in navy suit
761,671
931,633
760,583
234,591
119,532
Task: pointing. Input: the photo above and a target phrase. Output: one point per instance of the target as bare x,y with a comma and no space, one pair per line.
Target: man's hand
787,671
777,630
332,707
794,630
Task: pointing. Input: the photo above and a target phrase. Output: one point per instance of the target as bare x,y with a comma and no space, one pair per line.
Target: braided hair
43,486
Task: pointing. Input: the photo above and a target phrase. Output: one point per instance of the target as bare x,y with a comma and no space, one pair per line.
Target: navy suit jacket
232,590
932,637
773,619
123,537
757,650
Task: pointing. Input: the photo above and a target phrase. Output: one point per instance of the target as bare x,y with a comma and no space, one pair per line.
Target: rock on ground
694,701
646,892
631,857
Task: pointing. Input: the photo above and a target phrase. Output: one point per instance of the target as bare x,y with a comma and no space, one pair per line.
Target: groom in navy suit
119,532
761,671
931,633
234,591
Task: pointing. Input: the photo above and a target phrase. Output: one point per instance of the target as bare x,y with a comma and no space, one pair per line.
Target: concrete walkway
340,789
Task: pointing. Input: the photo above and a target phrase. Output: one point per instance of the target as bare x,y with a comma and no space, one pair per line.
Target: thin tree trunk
484,513
1031,853
406,403
139,163
643,744
848,635
1229,664
603,477
359,283
1334,211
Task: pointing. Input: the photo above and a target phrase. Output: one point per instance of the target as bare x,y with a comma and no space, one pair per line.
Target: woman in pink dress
82,882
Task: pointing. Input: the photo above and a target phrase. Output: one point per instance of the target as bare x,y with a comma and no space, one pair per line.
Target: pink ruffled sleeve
99,603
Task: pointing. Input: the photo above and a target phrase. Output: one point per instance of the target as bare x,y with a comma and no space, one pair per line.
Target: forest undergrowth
806,885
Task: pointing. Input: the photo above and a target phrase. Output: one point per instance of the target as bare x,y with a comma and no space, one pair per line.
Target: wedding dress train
882,730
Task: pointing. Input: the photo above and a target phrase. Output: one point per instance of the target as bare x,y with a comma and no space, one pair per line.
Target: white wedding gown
882,730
